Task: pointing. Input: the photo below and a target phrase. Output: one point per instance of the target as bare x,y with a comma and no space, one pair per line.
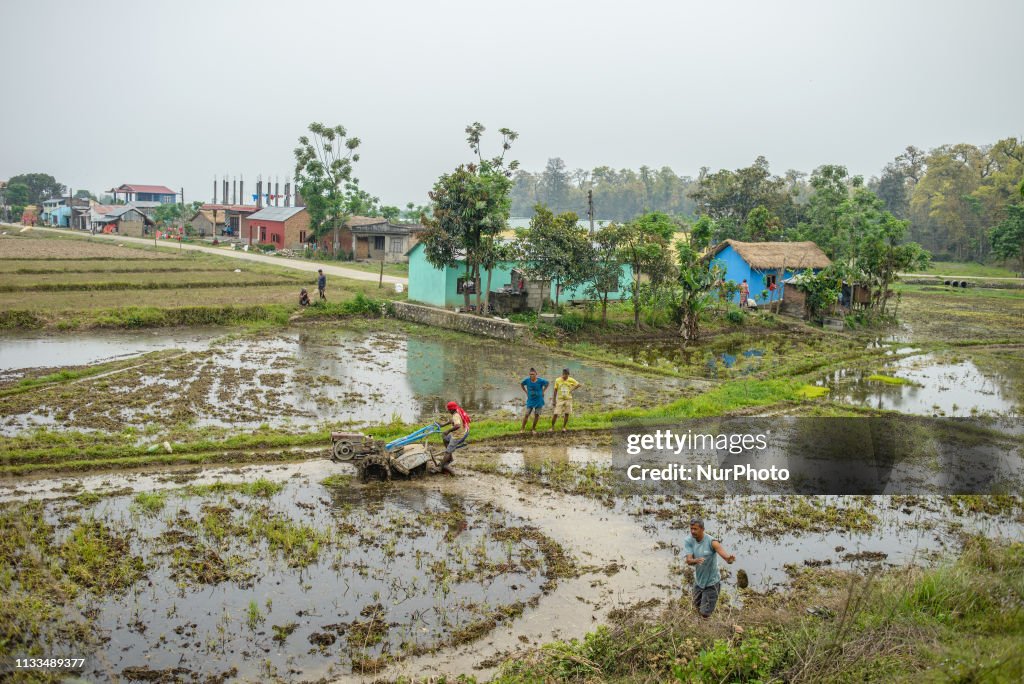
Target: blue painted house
760,263
443,288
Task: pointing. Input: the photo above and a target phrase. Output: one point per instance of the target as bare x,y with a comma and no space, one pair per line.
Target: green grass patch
888,379
150,503
260,488
336,480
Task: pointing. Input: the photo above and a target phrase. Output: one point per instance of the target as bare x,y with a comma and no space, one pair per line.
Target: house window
769,280
378,242
397,245
302,236
464,286
263,233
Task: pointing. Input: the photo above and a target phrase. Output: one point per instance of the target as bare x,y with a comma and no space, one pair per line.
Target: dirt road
297,264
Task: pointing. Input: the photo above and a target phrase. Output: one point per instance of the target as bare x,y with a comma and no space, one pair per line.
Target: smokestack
277,193
225,189
234,191
259,193
298,198
241,190
287,193
214,189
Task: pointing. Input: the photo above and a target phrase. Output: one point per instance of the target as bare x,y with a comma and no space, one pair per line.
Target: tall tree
1008,236
41,186
556,248
607,267
323,177
645,245
470,208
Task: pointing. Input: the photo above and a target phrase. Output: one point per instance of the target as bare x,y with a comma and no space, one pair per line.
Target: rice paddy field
168,510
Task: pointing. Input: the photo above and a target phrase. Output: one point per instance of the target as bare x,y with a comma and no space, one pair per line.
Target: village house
763,264
280,227
219,220
120,219
133,192
511,290
377,239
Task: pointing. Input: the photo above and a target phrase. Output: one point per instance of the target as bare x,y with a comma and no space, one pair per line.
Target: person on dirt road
702,552
455,436
321,283
562,403
534,389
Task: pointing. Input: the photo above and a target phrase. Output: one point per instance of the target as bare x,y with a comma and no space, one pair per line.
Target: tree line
952,197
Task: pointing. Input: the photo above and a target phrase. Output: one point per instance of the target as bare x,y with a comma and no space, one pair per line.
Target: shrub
570,322
735,317
527,317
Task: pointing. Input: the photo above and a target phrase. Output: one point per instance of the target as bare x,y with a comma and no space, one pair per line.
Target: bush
570,322
266,247
735,317
527,317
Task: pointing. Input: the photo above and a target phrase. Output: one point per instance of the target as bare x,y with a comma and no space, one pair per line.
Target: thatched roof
765,255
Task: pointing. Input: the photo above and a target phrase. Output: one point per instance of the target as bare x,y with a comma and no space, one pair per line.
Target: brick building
282,227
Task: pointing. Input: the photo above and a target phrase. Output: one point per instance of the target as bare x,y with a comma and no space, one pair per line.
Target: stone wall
468,323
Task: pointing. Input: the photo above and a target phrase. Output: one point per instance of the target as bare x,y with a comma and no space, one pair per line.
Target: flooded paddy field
296,572
305,376
961,383
265,578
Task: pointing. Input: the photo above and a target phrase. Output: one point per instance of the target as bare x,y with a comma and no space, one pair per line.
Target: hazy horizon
110,92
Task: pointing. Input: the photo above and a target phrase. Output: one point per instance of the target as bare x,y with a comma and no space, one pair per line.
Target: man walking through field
702,552
562,406
321,284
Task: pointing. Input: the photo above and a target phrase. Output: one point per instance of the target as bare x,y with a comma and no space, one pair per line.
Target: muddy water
318,375
26,351
628,548
398,570
936,385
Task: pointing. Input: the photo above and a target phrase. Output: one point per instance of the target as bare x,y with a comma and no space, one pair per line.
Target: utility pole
590,210
181,235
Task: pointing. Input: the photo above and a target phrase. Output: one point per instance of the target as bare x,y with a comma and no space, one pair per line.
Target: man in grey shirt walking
702,552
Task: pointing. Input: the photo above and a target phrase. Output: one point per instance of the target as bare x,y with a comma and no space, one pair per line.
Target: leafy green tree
17,194
645,245
556,248
696,281
323,177
469,209
41,186
762,225
872,246
732,195
1008,237
390,213
84,194
176,215
607,272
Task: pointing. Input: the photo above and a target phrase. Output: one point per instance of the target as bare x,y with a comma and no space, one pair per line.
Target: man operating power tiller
702,551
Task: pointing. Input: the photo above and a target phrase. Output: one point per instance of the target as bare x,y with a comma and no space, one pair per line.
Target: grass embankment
969,269
56,282
45,451
960,622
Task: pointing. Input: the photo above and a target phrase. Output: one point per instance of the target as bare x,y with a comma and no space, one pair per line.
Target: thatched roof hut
764,256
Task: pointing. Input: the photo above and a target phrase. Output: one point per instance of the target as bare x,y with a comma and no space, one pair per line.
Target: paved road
297,264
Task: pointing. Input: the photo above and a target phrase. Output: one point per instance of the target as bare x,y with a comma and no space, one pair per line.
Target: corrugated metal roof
157,189
275,213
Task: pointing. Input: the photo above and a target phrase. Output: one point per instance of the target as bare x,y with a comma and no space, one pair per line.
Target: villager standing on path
562,403
321,284
534,388
702,552
744,293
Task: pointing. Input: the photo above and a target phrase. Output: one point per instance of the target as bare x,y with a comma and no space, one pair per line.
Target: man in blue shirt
534,388
702,551
321,284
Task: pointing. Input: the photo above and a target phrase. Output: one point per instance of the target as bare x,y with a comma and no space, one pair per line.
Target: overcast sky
104,92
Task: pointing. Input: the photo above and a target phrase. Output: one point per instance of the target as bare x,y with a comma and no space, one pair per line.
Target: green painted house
443,287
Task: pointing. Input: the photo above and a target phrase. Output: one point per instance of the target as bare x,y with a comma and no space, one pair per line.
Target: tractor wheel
342,451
